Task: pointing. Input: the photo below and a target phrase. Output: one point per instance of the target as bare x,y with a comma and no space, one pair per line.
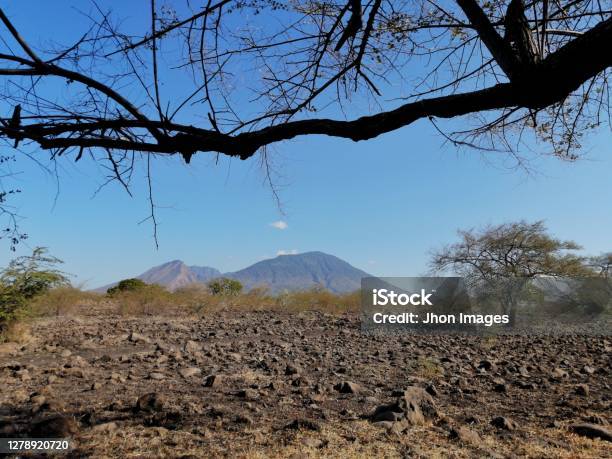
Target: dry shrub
151,300
17,332
318,299
192,299
198,299
259,299
63,301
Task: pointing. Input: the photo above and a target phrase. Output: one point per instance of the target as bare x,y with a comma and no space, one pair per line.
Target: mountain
176,274
173,275
302,271
285,272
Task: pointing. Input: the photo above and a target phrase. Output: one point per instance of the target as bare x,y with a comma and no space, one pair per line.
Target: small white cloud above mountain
280,225
287,252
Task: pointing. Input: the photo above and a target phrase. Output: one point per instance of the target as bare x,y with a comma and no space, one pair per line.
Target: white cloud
281,225
287,252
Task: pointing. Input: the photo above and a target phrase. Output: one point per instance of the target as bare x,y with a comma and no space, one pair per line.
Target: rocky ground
263,384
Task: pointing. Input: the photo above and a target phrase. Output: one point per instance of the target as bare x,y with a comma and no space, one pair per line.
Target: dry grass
319,300
345,440
17,332
427,368
194,299
63,301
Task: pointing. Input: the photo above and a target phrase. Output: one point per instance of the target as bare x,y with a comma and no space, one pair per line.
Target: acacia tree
259,72
501,260
602,265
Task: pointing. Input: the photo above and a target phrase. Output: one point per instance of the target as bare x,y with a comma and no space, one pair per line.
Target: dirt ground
269,384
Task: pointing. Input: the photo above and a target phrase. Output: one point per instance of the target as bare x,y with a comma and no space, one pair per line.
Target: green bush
225,287
127,285
24,279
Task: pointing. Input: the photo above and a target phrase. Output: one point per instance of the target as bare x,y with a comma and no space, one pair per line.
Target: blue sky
381,205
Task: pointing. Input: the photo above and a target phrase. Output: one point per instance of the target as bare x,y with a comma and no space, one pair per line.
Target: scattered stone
587,370
596,419
347,387
431,390
248,394
487,366
192,347
38,399
387,413
418,397
157,376
105,427
77,362
213,381
591,431
23,375
150,402
20,396
243,419
66,353
501,388
559,373
412,407
138,338
291,370
75,372
582,389
303,424
190,372
56,426
504,423
526,385
465,434
300,381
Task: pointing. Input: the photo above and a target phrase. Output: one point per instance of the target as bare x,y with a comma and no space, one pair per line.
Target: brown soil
269,384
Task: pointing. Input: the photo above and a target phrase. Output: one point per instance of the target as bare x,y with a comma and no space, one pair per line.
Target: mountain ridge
284,272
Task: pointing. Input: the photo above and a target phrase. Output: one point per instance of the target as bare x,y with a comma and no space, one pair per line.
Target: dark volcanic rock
213,381
56,426
582,389
417,397
465,434
347,387
150,402
504,423
303,424
138,338
591,431
291,370
413,407
487,365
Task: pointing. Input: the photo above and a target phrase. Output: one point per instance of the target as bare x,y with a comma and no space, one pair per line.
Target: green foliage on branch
127,285
24,279
225,287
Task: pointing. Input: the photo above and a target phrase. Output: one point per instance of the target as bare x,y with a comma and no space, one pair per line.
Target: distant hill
285,272
174,274
302,271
